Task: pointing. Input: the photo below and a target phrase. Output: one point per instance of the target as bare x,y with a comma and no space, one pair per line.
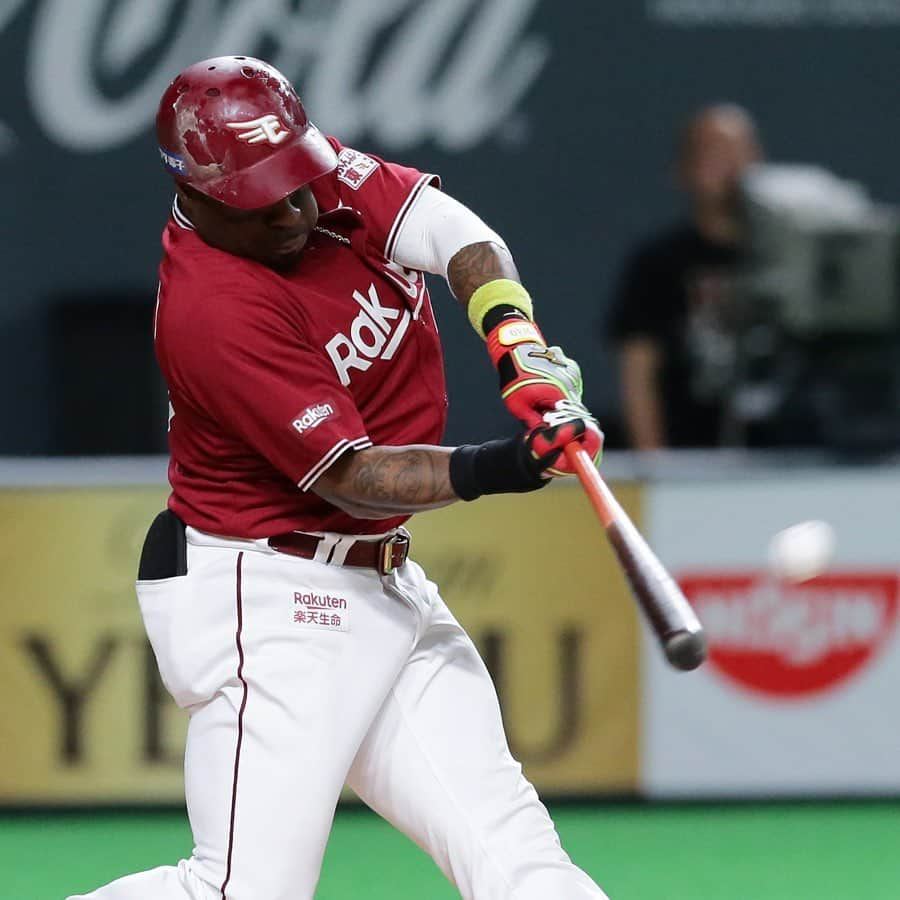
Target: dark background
571,178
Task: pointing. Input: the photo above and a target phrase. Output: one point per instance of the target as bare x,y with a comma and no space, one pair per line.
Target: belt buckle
386,558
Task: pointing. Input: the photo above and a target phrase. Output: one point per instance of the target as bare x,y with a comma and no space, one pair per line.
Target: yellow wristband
500,292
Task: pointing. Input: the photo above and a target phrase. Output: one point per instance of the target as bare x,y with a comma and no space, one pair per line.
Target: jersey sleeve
258,378
381,192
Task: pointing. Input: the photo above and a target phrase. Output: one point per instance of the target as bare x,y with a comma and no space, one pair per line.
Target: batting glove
568,422
534,378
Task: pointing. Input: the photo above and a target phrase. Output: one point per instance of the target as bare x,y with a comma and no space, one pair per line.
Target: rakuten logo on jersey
312,417
375,333
320,601
353,167
793,640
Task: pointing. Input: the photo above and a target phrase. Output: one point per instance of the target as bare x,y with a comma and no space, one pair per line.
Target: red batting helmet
234,128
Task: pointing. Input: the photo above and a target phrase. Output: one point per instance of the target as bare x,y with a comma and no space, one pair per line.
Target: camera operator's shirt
273,376
677,289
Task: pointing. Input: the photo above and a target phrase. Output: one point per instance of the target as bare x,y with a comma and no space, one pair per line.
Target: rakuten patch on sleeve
383,192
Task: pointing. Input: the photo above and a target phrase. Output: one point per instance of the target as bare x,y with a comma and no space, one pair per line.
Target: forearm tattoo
405,479
476,265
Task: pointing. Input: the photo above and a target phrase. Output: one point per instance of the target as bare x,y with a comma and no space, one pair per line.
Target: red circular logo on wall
793,640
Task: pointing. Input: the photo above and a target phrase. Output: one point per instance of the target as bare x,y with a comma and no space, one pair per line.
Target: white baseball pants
301,676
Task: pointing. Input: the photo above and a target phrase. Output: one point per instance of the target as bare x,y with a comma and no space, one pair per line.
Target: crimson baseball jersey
273,375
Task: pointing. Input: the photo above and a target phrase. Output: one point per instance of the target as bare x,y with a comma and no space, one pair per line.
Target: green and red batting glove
533,376
540,385
568,422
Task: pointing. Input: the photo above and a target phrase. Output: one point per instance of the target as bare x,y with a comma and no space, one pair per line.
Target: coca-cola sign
793,641
400,71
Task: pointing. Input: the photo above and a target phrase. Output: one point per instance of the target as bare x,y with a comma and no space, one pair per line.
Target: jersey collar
180,218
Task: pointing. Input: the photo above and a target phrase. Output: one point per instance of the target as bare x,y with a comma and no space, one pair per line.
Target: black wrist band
504,466
493,317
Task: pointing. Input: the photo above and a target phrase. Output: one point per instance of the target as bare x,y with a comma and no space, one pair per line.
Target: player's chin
285,255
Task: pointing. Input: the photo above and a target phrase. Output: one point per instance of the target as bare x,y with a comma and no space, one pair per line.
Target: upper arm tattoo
476,265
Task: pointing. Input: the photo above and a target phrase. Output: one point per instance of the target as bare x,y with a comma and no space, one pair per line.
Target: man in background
671,316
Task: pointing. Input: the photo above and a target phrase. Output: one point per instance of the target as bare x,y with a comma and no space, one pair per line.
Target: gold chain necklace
333,234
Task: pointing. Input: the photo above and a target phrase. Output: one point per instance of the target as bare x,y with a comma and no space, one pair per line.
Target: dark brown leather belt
383,556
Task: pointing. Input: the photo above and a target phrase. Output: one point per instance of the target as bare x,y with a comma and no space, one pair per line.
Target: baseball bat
665,607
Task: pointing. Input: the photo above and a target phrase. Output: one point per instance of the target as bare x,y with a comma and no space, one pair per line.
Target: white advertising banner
799,694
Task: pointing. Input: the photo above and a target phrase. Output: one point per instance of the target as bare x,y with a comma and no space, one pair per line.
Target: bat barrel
665,607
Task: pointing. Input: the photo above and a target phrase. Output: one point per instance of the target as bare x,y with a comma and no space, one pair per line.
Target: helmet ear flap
234,129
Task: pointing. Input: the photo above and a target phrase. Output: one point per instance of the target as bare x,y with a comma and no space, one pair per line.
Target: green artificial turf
835,851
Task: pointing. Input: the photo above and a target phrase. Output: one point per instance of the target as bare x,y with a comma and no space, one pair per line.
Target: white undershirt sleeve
435,230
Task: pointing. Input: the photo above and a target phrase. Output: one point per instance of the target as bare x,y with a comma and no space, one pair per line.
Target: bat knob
686,650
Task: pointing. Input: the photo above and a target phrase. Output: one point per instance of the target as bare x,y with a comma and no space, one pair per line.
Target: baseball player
296,336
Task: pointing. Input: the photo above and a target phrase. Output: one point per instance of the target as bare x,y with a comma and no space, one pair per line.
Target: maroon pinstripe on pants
240,733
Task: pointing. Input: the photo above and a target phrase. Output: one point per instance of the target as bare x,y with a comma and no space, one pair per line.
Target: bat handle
605,504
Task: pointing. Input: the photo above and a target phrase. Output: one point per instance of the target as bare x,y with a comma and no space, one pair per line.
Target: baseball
801,551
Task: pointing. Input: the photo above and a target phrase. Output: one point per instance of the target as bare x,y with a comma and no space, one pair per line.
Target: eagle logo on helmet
266,128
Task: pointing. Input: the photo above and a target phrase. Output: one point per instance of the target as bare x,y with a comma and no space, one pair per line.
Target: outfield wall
796,698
